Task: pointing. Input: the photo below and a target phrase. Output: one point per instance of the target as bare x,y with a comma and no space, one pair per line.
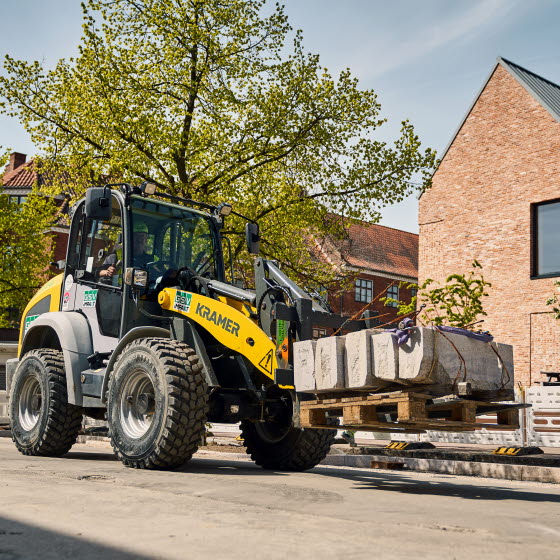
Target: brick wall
505,158
345,302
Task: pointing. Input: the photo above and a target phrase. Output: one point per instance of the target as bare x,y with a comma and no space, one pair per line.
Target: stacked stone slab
372,359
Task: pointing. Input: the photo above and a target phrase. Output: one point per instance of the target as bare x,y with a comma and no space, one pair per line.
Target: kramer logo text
219,320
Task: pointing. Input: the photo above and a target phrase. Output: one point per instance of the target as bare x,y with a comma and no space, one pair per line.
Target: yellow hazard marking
398,445
507,451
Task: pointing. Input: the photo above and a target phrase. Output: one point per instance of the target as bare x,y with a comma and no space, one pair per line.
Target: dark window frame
534,240
391,289
361,289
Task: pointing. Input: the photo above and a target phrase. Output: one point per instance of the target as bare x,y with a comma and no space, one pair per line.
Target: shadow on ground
406,483
24,541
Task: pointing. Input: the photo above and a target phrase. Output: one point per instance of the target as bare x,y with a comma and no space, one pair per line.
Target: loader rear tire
42,421
296,449
157,404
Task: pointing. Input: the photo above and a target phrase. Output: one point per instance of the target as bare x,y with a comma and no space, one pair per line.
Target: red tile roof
376,248
22,176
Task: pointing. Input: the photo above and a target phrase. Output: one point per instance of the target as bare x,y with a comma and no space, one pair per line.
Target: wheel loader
141,329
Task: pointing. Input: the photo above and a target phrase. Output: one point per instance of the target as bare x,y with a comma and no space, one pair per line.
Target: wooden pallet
406,412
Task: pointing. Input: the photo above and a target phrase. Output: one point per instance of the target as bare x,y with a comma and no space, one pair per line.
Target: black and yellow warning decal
266,363
229,326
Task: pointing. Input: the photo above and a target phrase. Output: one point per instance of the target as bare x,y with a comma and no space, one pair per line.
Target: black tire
42,421
157,404
293,449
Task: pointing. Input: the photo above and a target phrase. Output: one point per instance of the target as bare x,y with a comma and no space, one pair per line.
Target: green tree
218,101
25,252
457,303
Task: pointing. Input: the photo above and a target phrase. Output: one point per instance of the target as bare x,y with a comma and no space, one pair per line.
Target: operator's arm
109,267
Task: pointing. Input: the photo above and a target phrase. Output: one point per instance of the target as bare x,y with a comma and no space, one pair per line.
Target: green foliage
554,301
458,303
208,99
25,251
402,307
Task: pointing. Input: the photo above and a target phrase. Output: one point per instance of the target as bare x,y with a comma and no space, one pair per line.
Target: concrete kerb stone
452,467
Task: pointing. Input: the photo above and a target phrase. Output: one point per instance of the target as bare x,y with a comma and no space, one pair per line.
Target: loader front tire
285,448
42,421
157,404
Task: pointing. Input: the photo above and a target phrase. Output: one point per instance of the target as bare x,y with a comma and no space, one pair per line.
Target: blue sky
426,59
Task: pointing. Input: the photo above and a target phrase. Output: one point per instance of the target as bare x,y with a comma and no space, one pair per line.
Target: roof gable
22,176
547,93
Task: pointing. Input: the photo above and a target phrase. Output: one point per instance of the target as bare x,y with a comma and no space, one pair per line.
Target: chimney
16,159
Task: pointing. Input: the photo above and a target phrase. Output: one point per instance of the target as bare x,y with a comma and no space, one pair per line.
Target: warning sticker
266,362
90,298
65,300
182,301
28,321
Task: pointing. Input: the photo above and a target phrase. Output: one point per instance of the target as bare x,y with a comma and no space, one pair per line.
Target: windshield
168,237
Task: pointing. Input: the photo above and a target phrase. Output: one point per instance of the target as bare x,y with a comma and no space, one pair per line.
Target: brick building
496,198
380,258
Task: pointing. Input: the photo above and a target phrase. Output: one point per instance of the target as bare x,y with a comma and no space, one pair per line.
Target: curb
463,468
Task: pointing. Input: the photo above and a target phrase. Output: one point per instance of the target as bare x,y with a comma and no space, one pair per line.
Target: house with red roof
381,260
18,180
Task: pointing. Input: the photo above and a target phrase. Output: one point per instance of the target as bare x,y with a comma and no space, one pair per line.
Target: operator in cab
140,258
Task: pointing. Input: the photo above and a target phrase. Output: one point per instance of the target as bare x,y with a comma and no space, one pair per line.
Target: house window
319,333
413,292
18,199
546,236
393,293
364,290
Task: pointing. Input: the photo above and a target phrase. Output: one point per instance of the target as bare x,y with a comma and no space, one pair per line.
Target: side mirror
98,203
252,238
136,277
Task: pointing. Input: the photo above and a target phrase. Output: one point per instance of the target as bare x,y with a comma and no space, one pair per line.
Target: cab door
95,247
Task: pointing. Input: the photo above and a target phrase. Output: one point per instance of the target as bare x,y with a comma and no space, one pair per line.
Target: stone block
385,352
329,363
359,360
418,358
465,359
304,365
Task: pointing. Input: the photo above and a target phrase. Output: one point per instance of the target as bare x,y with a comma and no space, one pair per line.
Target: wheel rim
274,431
30,402
137,404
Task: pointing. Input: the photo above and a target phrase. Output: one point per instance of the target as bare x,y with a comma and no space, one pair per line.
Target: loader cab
115,239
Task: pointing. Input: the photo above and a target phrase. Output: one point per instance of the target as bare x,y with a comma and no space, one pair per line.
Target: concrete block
360,360
418,357
304,365
506,354
385,351
329,363
481,366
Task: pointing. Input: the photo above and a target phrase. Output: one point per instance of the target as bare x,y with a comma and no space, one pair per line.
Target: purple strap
483,337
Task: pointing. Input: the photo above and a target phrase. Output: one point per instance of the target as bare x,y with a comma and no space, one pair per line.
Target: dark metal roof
547,93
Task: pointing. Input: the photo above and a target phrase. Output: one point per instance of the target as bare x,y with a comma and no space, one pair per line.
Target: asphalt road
87,505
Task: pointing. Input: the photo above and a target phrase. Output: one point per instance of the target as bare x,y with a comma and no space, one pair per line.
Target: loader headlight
224,209
148,188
